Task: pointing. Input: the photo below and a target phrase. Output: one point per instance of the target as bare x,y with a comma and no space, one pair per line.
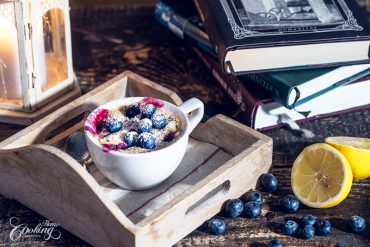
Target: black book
269,35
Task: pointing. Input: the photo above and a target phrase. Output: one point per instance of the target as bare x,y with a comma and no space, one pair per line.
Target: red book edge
248,101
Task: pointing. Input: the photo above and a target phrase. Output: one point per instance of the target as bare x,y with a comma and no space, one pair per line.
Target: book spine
228,84
200,12
277,90
246,101
212,27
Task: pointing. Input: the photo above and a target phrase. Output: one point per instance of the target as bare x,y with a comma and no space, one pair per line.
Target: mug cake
138,127
137,143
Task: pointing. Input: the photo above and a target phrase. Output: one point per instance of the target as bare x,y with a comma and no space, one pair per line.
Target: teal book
293,88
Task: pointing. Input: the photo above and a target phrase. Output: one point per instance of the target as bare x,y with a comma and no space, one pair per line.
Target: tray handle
205,199
211,197
65,119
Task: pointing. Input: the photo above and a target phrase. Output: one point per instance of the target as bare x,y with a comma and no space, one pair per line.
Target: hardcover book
262,112
269,35
296,87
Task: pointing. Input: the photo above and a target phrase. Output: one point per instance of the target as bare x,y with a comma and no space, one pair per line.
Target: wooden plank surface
110,40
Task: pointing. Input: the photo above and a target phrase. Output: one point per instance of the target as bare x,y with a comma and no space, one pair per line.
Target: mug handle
194,110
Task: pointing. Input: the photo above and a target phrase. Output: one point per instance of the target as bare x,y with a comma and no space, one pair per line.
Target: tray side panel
175,221
27,118
139,86
48,181
123,85
34,133
228,134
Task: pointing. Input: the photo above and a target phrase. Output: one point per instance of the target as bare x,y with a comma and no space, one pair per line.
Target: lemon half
321,176
357,152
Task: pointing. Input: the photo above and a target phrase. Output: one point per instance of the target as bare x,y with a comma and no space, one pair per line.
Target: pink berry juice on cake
138,127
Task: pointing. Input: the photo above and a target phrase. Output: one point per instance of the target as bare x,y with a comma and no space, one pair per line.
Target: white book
345,98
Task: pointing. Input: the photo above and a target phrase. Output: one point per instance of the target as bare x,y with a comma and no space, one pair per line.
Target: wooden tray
38,173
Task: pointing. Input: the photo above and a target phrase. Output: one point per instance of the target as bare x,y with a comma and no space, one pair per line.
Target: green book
293,88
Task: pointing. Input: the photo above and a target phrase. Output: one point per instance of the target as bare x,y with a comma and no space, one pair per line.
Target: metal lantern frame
30,17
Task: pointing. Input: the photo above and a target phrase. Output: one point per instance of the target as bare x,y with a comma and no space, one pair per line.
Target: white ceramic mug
141,171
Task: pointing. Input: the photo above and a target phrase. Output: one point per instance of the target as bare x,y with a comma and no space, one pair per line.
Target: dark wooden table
110,40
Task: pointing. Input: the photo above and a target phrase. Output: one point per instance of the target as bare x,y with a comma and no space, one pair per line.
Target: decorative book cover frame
248,18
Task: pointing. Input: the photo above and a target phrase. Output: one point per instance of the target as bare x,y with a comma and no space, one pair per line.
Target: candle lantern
36,73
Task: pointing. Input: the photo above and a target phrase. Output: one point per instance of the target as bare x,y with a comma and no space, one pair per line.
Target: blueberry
132,110
308,232
290,204
148,110
290,227
234,208
268,182
114,126
275,243
147,140
101,125
133,124
159,120
254,196
252,209
145,125
308,219
131,138
217,227
323,227
357,224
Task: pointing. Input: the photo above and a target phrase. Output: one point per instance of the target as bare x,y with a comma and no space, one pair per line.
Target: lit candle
10,78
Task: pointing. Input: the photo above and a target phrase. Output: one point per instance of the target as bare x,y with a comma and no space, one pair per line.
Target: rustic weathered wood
49,181
115,88
238,175
150,50
27,118
53,177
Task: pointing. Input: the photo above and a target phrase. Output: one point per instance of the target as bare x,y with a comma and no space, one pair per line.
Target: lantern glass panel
10,74
54,54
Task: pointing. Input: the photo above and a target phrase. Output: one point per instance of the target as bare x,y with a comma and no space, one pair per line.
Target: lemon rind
345,188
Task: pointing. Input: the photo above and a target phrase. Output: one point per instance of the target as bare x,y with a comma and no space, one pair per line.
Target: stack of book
279,59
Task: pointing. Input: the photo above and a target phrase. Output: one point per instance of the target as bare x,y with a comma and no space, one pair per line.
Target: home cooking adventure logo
45,229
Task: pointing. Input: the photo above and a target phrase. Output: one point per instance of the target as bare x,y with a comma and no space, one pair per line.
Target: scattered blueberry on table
148,110
357,224
290,204
217,227
234,208
132,110
290,227
308,232
268,182
275,243
308,219
147,140
323,227
114,126
159,120
131,138
254,196
252,209
145,125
